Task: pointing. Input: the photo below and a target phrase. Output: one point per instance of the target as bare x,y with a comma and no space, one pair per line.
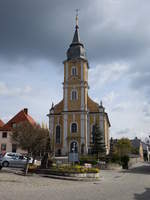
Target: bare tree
33,139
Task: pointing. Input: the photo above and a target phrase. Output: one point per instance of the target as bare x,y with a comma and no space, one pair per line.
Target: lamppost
73,151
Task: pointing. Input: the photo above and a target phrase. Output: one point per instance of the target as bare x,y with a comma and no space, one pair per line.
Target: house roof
1,123
136,143
22,116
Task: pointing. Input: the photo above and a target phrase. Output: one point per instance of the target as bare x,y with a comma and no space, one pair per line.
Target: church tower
72,120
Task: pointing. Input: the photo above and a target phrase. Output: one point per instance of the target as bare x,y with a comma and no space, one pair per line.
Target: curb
69,178
61,177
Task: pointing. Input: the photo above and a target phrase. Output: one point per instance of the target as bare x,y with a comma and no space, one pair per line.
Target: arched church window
57,134
74,95
73,127
74,147
74,71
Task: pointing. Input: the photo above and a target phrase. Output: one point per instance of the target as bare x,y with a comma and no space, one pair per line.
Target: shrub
124,161
88,159
32,168
93,170
115,158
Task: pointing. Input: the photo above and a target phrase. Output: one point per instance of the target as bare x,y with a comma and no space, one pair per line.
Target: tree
98,142
123,147
33,139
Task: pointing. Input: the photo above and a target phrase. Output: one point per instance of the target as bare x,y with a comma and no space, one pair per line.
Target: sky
34,38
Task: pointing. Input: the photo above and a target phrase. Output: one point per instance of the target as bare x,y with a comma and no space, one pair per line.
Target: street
114,185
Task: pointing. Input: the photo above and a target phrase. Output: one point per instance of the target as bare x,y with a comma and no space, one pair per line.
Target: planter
59,173
83,175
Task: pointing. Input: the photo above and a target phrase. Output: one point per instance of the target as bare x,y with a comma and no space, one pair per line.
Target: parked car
14,160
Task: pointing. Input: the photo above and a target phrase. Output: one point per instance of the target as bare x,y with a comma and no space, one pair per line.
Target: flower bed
75,169
32,168
70,171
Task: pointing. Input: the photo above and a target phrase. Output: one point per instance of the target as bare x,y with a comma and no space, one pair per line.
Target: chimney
26,111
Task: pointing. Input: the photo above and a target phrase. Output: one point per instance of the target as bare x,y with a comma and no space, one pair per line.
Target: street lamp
73,151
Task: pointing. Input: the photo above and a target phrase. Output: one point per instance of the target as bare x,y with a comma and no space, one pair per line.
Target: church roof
22,116
58,108
76,49
92,106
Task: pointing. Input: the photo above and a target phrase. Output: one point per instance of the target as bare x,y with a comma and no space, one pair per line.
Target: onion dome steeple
76,49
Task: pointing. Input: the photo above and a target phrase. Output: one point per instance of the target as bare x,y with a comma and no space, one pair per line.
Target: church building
72,120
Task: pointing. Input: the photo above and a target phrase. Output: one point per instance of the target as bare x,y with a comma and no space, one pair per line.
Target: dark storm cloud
139,74
112,31
44,28
36,28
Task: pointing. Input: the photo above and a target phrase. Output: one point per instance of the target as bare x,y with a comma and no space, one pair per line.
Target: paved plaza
114,185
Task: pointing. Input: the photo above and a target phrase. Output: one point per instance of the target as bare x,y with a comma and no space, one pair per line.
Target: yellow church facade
72,120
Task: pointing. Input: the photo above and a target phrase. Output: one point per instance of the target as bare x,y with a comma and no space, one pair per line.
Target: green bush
88,159
124,161
115,159
32,168
93,170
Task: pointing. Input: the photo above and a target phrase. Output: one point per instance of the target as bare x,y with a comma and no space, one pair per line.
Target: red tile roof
1,123
22,116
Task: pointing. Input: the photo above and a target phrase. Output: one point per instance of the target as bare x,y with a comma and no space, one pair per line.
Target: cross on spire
77,14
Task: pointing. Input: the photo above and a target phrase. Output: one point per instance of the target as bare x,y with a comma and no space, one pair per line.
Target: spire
101,107
101,103
76,38
52,105
76,49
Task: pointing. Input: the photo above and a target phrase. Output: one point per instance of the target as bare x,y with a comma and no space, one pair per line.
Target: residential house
141,148
6,144
1,123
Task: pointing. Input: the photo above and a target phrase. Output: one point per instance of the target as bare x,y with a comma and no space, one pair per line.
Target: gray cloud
139,74
36,28
123,132
43,28
114,33
146,111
